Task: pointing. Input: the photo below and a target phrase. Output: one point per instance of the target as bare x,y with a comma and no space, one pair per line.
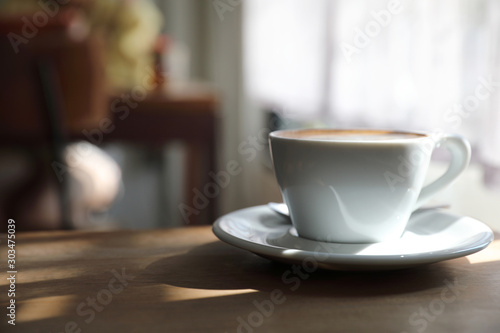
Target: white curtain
417,65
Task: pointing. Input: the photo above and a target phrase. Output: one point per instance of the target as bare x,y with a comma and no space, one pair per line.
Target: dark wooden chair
51,84
53,88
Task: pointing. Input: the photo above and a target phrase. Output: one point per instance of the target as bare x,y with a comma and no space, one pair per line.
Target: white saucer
430,236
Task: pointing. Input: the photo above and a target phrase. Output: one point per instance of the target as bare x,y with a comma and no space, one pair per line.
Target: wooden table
186,280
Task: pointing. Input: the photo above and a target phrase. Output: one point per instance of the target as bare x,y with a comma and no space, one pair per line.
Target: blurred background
150,114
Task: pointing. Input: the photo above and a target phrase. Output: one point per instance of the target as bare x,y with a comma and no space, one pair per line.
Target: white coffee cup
358,186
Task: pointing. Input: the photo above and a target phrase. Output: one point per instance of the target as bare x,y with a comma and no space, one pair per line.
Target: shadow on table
220,266
149,304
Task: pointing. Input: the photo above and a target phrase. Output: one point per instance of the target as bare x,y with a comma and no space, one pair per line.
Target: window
416,65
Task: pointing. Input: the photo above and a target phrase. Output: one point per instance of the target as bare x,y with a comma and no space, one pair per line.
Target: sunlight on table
173,294
491,253
43,308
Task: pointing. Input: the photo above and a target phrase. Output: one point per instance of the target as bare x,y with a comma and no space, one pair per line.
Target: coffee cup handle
460,151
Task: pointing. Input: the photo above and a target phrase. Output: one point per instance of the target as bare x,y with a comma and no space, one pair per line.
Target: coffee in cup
358,186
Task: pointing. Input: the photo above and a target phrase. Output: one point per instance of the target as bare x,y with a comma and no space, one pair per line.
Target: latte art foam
348,135
360,137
